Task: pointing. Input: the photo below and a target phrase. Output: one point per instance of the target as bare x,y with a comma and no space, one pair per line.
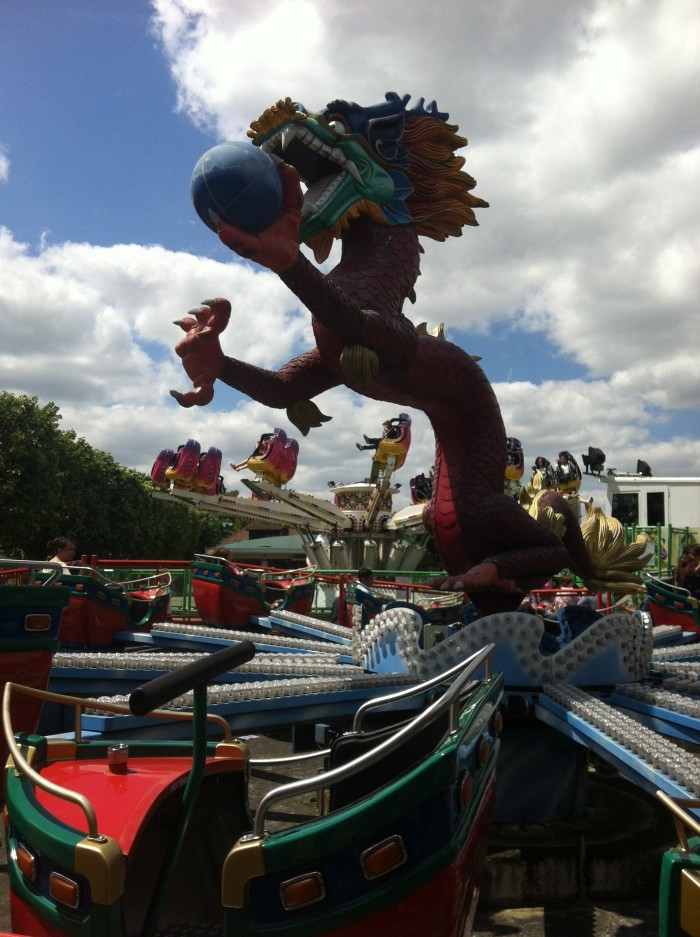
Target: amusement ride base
610,853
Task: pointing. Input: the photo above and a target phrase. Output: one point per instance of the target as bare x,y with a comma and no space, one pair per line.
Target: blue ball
240,183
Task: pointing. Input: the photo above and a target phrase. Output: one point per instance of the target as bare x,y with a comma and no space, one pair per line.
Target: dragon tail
616,564
597,548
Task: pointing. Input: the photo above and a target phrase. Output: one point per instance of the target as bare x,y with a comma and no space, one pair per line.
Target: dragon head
395,165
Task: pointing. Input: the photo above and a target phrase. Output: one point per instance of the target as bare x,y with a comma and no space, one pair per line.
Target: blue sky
578,289
98,152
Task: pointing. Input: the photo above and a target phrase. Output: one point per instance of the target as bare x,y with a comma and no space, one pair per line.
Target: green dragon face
337,166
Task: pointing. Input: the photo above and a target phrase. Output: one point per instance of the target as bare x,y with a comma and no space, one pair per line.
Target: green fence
665,543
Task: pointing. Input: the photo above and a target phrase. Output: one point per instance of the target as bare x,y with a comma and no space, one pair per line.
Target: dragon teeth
286,136
290,132
349,165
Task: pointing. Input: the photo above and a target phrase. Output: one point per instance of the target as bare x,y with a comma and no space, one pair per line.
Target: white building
647,501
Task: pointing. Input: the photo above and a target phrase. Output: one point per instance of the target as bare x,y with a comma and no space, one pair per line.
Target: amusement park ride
360,518
156,836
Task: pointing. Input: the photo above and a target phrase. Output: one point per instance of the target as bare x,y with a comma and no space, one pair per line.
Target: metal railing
407,585
24,572
449,701
683,821
22,766
329,582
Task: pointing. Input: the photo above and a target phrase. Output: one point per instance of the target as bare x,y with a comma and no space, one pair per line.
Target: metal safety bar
682,820
419,689
22,766
157,580
34,566
449,700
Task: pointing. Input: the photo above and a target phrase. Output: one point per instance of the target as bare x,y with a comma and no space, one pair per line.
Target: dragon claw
181,398
305,415
484,577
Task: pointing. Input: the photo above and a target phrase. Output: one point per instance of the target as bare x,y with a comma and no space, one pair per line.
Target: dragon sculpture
379,178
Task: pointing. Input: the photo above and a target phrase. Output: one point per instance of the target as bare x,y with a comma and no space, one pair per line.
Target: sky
579,288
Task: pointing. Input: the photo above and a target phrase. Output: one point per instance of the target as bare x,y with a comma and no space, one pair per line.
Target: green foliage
54,484
28,435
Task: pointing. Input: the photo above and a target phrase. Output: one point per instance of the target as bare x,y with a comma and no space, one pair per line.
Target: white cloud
226,58
587,159
90,328
583,139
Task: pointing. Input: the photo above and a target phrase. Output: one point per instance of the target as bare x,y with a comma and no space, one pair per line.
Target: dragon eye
337,124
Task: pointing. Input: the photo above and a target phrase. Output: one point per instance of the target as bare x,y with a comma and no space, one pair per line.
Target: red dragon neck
379,264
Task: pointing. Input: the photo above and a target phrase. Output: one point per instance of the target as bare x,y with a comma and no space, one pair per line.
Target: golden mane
441,202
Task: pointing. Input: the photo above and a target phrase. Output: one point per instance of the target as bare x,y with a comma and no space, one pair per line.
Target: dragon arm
291,387
304,376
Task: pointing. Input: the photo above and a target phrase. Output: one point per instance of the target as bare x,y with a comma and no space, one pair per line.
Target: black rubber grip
171,685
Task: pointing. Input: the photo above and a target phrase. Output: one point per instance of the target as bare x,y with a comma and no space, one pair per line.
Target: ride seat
351,745
193,905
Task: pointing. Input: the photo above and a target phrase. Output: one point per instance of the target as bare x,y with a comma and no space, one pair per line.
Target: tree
29,437
53,483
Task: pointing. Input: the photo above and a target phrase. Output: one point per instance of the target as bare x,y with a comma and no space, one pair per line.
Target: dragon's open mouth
320,165
343,177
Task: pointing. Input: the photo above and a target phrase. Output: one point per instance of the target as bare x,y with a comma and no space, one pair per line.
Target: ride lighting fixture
594,462
37,622
26,862
384,857
302,891
64,890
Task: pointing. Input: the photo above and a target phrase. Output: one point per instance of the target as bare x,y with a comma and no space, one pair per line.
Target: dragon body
379,178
